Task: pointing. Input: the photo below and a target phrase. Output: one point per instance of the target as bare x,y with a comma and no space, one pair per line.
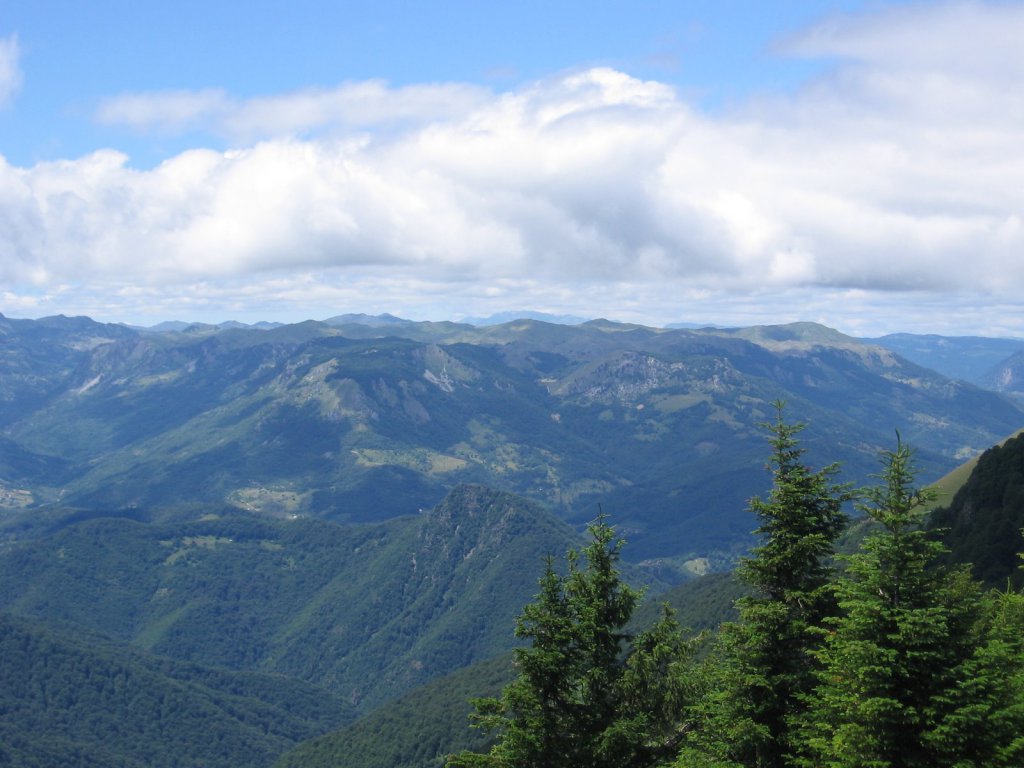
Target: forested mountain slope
419,729
70,697
416,731
982,525
358,422
366,611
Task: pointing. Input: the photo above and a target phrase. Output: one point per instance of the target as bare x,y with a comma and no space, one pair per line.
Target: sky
858,164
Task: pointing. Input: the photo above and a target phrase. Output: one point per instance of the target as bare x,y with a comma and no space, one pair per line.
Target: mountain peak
373,321
476,519
500,318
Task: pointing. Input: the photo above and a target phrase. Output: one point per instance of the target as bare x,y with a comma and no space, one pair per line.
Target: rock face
1007,376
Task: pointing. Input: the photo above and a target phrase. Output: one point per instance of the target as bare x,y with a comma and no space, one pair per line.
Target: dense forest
982,525
74,698
890,656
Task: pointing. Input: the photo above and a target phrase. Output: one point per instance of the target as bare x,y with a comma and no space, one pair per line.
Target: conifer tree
908,676
986,724
765,665
585,695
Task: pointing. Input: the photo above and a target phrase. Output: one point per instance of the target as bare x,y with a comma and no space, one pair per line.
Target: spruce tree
985,726
765,664
906,670
587,694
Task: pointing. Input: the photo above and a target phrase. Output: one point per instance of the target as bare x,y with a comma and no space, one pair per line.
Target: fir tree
585,695
908,677
765,663
985,726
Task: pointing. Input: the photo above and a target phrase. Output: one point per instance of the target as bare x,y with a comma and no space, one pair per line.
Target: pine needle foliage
765,663
586,693
914,669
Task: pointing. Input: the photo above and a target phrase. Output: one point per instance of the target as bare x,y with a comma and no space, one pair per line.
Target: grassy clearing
417,459
189,543
268,501
674,403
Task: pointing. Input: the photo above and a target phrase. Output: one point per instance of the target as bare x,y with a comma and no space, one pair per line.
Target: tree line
886,658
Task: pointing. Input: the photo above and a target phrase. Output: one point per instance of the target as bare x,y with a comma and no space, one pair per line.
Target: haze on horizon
852,163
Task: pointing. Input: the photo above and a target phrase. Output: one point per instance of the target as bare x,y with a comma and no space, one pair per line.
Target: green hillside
946,487
396,603
367,611
982,523
70,698
416,731
420,728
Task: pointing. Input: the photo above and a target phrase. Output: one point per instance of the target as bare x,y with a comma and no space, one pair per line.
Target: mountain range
362,420
992,363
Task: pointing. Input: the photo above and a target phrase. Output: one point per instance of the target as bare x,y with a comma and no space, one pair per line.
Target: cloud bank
897,173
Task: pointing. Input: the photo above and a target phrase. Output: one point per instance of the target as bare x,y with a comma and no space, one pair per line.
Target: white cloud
10,69
350,105
971,38
897,173
167,111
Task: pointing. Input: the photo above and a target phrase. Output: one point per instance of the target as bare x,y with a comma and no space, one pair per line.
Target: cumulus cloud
897,171
10,69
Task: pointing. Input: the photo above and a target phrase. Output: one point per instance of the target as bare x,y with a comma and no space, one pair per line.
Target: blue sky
852,163
75,55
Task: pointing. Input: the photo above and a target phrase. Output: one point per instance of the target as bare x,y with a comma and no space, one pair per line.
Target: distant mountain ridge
374,321
971,358
1006,376
369,419
500,318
